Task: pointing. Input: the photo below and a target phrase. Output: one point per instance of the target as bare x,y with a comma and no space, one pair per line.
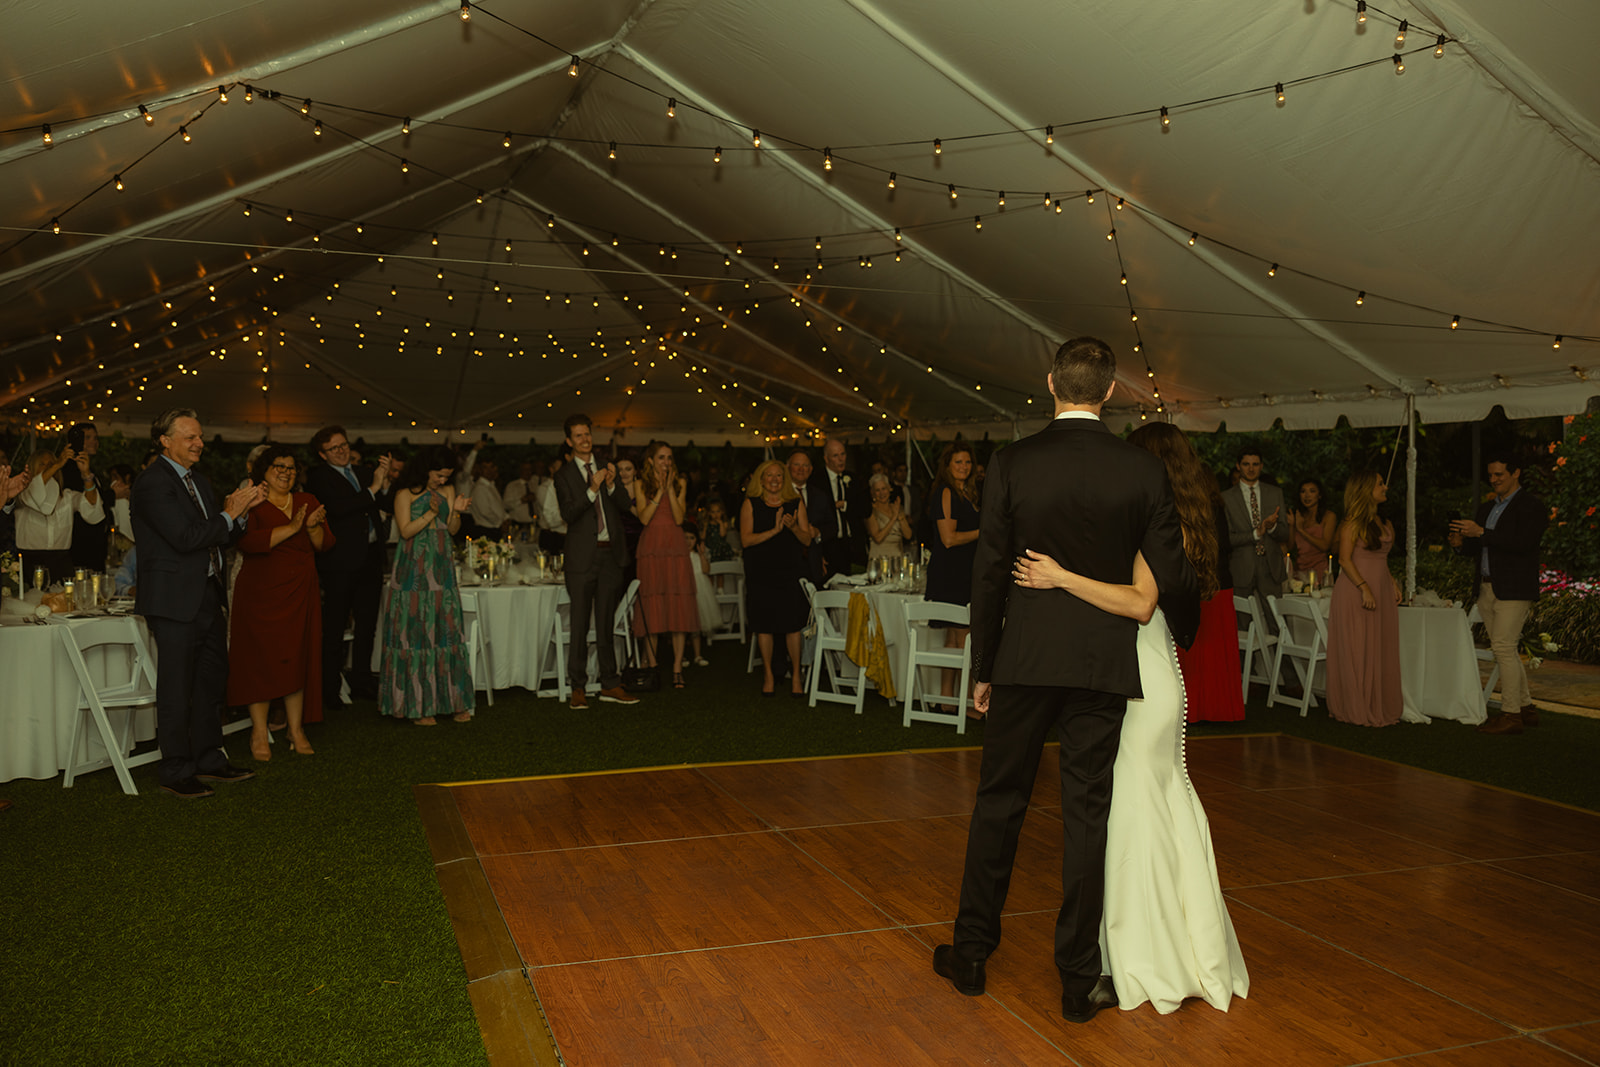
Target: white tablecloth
39,698
892,613
1438,664
516,621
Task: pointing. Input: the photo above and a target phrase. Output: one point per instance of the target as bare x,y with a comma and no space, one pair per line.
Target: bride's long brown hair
1195,492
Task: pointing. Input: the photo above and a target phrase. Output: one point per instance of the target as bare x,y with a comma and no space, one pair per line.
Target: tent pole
1411,497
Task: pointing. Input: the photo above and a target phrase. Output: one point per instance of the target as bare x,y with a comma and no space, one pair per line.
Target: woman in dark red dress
1210,666
275,625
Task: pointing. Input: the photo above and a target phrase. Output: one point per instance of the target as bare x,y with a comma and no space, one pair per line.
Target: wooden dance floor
785,913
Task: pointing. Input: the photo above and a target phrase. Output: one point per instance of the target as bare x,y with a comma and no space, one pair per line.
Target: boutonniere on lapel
844,479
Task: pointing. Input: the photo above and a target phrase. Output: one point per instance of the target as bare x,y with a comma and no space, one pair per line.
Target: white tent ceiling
667,293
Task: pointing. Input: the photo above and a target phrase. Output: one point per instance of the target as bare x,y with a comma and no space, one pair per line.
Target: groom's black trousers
1089,726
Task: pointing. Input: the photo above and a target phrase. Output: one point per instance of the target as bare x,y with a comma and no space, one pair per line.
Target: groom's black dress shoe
965,975
1081,1007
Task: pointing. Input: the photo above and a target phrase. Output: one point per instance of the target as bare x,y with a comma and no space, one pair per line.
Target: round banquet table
39,700
516,621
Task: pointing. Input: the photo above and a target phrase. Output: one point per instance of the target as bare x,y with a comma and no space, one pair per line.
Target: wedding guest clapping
774,530
1312,526
953,507
275,622
666,577
424,668
888,529
45,510
1363,616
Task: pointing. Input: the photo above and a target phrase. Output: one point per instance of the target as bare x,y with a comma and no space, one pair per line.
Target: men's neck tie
599,502
213,553
1255,519
350,476
838,495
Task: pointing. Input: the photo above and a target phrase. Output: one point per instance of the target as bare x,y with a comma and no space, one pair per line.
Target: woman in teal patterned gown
424,665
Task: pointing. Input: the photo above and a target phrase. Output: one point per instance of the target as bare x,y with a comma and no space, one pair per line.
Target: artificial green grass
295,918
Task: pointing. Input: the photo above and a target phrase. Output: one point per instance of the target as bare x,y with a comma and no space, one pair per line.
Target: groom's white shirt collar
1078,415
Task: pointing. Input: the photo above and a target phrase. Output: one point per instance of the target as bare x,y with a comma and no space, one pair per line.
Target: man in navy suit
1047,661
351,572
819,512
181,532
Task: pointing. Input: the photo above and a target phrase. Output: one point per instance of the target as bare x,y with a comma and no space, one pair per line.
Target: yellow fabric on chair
864,644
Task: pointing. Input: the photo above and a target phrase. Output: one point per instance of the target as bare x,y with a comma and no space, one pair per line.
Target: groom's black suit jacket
1079,494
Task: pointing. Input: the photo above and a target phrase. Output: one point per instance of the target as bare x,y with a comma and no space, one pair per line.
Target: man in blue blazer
181,532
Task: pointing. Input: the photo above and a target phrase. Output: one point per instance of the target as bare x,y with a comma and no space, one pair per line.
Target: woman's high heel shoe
677,680
301,745
260,749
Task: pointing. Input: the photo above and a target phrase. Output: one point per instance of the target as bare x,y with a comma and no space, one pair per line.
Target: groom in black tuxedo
1045,660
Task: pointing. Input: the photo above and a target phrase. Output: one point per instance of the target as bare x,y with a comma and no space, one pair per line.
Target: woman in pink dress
1364,615
1312,526
666,577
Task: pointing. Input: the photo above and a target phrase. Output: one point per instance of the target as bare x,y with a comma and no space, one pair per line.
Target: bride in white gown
1165,935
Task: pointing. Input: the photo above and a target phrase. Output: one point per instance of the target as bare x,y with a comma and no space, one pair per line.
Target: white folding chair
477,643
1485,655
552,665
1255,645
96,700
847,683
627,643
951,710
553,656
728,579
1303,638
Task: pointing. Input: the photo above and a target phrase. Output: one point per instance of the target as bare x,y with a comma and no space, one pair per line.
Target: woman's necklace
287,507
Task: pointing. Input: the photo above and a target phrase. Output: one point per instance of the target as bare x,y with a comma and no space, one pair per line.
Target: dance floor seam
783,912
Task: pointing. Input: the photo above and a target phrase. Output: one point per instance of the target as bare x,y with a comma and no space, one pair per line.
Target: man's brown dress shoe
1530,715
578,701
617,695
966,975
1081,1007
1503,724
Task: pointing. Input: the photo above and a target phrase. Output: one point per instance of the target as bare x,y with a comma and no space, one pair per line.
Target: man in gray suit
596,551
1258,530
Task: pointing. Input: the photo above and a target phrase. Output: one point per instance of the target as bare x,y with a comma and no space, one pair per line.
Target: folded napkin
1427,598
865,646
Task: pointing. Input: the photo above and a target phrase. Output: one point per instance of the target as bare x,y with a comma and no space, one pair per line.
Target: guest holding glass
424,667
888,529
275,621
1311,532
666,577
953,507
90,539
774,530
45,511
1364,613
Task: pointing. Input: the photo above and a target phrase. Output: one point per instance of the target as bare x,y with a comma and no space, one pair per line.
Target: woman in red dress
275,625
1210,666
666,577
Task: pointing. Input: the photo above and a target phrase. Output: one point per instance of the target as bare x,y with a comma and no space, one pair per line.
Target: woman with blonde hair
774,531
1364,613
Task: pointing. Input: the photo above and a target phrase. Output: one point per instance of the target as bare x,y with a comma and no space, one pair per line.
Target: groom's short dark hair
1084,370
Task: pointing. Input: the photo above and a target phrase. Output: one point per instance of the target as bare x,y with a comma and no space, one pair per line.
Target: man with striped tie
181,531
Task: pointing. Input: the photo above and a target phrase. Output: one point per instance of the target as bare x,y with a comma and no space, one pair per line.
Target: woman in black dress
774,531
953,507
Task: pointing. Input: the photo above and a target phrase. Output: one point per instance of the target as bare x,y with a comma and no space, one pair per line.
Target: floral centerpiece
488,559
11,573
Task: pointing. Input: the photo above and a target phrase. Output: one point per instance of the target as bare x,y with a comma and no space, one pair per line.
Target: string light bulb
672,107
613,153
572,68
144,113
952,189
436,240
1455,321
48,140
1002,201
405,127
1280,92
1193,236
222,94
1557,342
1124,280
892,177
316,130
938,147
118,182
1439,47
247,210
405,166
755,138
1400,37
716,155
897,235
305,106
505,142
1361,12
55,227
249,94
1272,271
1049,135
1088,195
1399,66
1111,234
1361,298
977,222
466,10
183,131
1166,119
827,159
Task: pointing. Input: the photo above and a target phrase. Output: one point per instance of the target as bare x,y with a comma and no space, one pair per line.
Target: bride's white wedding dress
1165,935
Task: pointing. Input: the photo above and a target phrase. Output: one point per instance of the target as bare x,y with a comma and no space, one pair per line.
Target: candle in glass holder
96,590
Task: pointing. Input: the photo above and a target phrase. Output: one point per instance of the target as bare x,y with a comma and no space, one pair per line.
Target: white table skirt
39,698
891,611
1438,664
516,621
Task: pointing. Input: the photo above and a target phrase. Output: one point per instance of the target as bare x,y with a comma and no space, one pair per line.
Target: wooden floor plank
1516,950
603,809
670,896
853,999
859,789
1510,1052
1576,872
1582,1042
1278,762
